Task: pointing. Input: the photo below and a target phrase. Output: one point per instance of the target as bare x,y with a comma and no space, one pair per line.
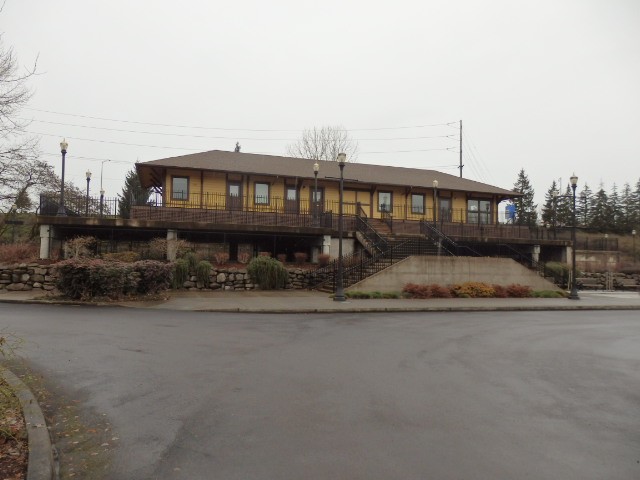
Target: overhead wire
197,127
220,137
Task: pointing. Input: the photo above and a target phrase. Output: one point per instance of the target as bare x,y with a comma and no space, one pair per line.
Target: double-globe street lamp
339,296
63,149
574,285
87,202
316,169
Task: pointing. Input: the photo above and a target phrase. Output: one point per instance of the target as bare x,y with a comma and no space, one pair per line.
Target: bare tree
324,143
21,171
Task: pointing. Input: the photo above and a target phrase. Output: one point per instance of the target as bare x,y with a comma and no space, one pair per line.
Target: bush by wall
203,271
268,272
154,276
84,279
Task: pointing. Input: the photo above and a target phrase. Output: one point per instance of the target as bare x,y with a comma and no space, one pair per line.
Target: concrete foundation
452,270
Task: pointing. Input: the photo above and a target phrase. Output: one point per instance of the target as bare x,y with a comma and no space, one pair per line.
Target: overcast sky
551,86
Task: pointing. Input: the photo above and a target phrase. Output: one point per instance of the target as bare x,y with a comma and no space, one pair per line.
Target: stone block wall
26,276
239,279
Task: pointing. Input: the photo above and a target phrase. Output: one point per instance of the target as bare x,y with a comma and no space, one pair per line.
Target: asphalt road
192,395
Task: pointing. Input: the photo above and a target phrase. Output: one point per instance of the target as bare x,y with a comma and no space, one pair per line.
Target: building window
385,202
292,194
261,194
180,188
478,211
417,203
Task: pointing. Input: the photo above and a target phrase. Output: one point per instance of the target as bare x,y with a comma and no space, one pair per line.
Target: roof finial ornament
237,147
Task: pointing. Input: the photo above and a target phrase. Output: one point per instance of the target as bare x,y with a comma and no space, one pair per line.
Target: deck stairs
380,249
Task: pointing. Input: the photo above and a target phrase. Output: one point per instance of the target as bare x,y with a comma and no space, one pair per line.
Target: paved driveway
192,395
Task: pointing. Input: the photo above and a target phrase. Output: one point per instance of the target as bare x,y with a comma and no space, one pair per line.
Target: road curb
341,309
41,464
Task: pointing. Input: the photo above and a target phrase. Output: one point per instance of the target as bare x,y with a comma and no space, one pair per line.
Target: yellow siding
212,191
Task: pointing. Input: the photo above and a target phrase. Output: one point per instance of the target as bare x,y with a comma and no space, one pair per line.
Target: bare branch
324,143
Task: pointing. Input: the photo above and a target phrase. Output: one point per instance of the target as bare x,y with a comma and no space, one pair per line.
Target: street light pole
63,149
101,200
87,203
633,235
316,169
574,285
339,296
435,203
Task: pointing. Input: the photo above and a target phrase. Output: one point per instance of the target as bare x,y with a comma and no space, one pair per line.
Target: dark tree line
616,210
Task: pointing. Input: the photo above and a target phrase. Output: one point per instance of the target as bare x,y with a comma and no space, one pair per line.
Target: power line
114,143
196,127
219,137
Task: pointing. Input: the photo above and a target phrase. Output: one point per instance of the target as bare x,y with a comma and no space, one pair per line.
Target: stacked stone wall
239,279
26,276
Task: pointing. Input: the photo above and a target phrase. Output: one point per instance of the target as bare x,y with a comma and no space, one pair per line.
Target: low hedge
466,290
84,279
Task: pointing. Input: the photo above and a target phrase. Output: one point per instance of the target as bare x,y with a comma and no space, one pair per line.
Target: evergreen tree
132,194
548,210
634,213
613,210
526,213
626,209
599,210
564,208
583,206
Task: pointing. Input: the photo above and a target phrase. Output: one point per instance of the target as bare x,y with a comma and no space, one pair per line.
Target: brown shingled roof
257,164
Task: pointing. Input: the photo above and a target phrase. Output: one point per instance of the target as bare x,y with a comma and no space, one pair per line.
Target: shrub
282,257
244,257
413,290
300,257
500,291
548,294
438,291
472,290
268,272
323,259
80,247
180,272
125,257
390,295
559,271
203,271
191,259
154,276
357,295
519,291
84,279
157,249
221,258
18,252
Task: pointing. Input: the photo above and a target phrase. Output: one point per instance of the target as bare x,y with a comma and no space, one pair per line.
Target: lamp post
339,296
63,149
316,169
633,235
574,285
87,203
101,200
435,202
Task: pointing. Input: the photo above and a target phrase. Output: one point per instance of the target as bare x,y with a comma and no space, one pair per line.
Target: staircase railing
377,241
438,236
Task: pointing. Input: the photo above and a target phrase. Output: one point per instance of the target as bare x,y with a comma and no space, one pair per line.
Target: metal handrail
428,230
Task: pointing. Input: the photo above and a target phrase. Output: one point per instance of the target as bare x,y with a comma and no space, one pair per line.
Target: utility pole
461,165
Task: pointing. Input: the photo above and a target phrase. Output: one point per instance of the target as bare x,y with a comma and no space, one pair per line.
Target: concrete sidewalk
297,301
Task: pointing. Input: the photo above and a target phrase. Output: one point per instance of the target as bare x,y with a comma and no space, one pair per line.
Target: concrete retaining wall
452,270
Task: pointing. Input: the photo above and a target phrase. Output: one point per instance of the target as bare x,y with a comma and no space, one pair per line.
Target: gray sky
549,86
